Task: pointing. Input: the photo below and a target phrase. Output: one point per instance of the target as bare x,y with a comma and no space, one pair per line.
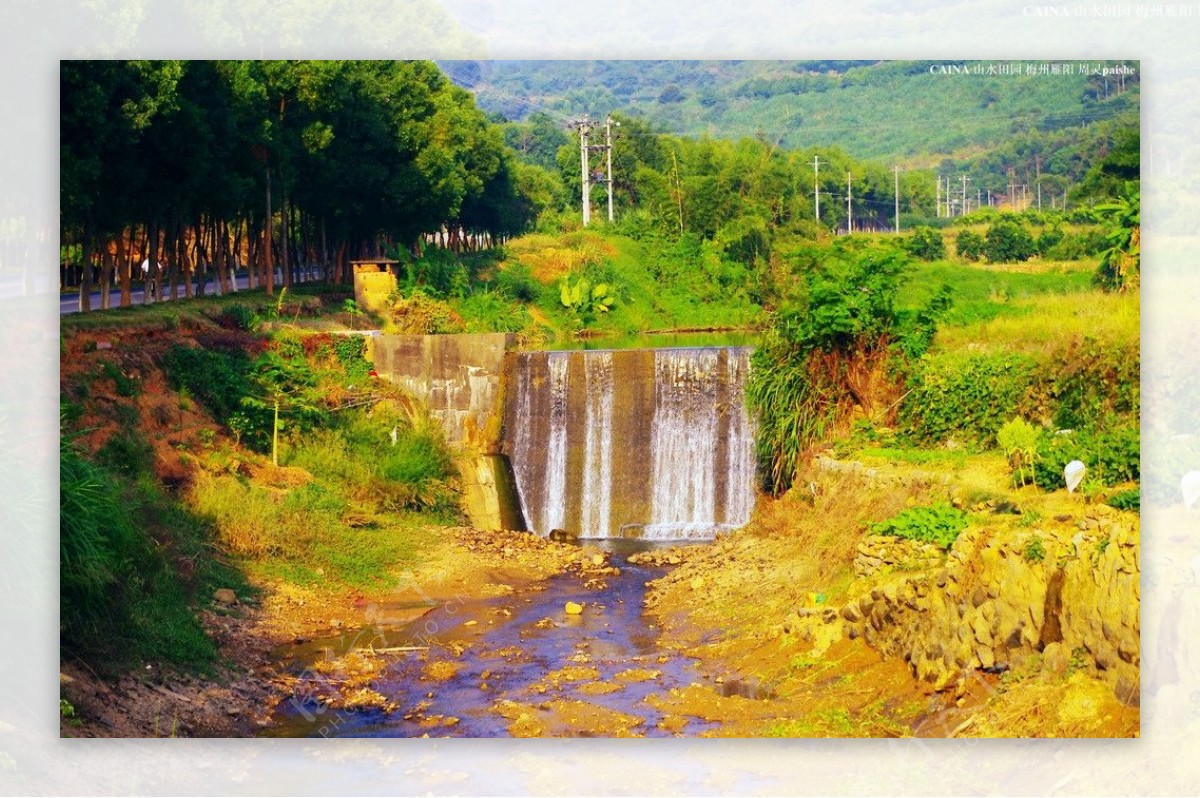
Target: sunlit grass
1043,324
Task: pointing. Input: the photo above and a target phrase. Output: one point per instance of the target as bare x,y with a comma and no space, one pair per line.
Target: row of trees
197,167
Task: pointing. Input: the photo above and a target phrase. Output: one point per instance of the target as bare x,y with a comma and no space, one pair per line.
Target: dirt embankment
843,633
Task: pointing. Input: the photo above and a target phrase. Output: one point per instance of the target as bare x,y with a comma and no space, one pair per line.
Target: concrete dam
641,443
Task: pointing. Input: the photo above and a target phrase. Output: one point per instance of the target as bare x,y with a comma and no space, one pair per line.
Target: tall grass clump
121,602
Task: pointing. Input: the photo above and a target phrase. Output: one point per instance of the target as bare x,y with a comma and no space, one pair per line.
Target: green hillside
915,113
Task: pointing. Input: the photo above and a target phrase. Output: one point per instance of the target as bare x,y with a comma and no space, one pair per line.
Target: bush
940,524
1127,500
925,243
1090,381
349,351
1019,441
964,395
969,245
1008,242
219,380
1077,246
1049,239
1112,457
516,282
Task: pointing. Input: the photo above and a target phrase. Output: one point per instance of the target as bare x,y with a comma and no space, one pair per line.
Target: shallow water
509,643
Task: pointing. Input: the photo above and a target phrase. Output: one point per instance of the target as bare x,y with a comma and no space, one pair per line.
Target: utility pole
849,208
816,187
978,198
939,196
584,126
608,123
896,191
964,195
1037,166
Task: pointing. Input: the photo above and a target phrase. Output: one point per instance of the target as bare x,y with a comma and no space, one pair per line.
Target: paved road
69,302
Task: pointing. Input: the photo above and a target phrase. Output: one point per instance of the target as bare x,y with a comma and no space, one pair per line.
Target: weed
1035,549
125,385
939,524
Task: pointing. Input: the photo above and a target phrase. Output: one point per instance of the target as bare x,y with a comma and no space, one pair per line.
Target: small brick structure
374,282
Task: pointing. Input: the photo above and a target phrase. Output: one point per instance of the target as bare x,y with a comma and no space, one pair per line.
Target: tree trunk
124,267
285,227
85,277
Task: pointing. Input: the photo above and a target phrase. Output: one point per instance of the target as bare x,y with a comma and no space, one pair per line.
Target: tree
1120,263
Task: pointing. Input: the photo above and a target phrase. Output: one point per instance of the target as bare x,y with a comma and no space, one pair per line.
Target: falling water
634,443
554,510
684,444
597,446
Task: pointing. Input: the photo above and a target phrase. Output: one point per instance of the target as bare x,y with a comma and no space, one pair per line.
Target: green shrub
842,311
1112,456
1126,500
126,452
349,350
940,524
1050,238
219,380
1089,381
516,281
925,243
240,317
969,245
966,396
1008,242
1018,440
1077,246
1035,549
125,386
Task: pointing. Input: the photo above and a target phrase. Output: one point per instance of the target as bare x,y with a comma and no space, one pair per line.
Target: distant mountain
912,112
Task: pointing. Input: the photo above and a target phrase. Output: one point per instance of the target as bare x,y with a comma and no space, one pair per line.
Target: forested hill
914,112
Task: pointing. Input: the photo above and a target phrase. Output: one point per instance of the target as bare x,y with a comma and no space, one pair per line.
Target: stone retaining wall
1067,589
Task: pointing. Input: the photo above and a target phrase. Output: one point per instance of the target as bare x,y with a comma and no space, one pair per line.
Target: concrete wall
459,376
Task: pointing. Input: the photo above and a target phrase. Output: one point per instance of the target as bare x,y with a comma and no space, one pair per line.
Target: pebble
572,608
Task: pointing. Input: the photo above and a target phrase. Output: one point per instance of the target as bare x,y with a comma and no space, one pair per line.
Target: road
69,301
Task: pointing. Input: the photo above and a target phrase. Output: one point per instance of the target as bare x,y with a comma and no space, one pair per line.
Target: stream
506,649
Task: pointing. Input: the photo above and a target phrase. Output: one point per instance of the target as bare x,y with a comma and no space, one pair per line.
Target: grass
874,720
304,299
1044,324
984,292
123,598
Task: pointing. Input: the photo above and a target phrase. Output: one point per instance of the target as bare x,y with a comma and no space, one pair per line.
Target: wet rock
572,608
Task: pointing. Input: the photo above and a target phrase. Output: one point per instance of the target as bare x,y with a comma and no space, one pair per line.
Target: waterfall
554,511
684,444
641,443
597,446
